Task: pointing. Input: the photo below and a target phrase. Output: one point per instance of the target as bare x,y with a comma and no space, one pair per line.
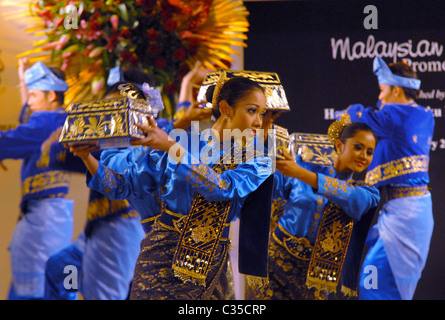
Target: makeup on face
357,152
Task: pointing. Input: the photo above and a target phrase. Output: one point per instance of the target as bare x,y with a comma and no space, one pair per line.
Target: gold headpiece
336,127
275,95
128,90
219,84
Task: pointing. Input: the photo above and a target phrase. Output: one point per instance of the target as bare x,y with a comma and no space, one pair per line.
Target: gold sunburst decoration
161,37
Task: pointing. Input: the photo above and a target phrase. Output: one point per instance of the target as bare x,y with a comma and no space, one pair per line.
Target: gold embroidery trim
300,248
397,168
102,207
336,187
277,212
401,192
45,181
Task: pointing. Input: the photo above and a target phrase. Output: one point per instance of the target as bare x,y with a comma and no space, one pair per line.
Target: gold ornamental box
312,147
109,123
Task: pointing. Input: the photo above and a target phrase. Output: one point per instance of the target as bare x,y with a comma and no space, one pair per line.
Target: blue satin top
305,205
180,181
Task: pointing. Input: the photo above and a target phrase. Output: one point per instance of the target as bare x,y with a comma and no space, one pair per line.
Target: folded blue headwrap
115,75
40,77
385,76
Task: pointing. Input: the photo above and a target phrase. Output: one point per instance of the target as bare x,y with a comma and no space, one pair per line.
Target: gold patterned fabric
277,212
45,181
406,165
200,237
154,278
330,249
401,192
287,278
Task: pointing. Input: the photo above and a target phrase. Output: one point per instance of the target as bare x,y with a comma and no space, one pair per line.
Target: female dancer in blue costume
315,239
400,241
204,185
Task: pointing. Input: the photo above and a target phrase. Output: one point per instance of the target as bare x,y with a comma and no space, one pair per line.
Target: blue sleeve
24,139
61,157
379,120
229,184
128,179
355,200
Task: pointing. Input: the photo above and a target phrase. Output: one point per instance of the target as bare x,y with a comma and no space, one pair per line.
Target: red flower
153,49
125,32
170,25
179,54
125,56
152,35
171,88
134,60
160,63
112,42
147,5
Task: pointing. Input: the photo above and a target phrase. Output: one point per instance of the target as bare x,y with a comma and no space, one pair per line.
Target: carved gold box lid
110,123
275,96
312,147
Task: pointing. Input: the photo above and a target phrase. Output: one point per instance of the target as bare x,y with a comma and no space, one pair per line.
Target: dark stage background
298,40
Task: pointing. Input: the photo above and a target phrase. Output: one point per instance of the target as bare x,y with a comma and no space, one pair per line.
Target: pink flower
50,45
67,55
66,64
63,40
96,52
114,19
97,85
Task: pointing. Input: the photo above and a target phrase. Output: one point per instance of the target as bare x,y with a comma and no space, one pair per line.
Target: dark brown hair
404,70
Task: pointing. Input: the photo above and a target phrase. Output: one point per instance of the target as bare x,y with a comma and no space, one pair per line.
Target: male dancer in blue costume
46,222
399,242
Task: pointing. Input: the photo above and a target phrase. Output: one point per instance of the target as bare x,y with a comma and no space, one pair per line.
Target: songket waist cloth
154,276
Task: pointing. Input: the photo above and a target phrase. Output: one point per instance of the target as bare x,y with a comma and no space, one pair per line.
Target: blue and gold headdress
40,77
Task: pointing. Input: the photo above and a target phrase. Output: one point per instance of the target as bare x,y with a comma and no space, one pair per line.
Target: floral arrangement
161,37
2,66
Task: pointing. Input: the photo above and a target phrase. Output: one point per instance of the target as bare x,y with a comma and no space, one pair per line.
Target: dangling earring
225,118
